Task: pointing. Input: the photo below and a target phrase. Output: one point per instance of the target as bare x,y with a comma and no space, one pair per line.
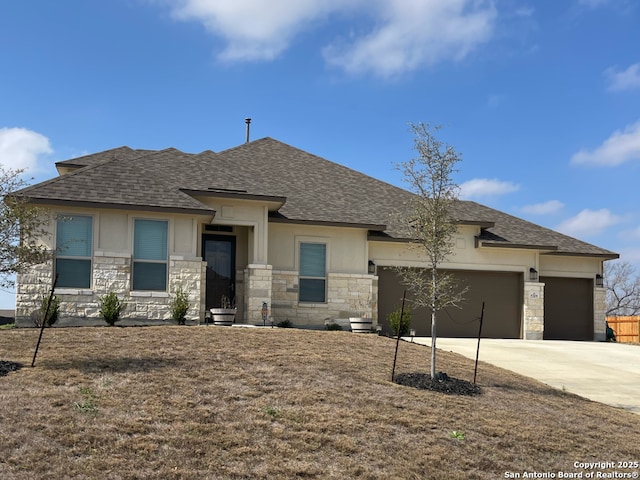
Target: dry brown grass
231,403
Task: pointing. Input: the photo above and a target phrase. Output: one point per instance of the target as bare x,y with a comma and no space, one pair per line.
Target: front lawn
179,402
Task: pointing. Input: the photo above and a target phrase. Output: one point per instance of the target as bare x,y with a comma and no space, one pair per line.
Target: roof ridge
244,145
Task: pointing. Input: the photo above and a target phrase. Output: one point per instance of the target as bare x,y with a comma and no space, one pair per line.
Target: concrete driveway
604,372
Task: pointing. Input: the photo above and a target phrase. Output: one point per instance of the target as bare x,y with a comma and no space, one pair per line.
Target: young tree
20,225
622,282
430,224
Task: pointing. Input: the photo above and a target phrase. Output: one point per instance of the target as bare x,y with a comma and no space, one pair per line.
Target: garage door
501,292
568,308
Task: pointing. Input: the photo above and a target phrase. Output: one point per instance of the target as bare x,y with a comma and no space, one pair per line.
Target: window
313,272
74,247
150,255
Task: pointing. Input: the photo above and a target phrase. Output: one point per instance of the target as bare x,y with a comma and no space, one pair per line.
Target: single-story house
265,222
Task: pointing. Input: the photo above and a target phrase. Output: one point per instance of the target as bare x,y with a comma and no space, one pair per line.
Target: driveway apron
604,372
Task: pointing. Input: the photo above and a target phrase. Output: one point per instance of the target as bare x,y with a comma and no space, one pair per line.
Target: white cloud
20,148
589,222
545,208
486,187
619,148
413,33
623,80
407,33
255,29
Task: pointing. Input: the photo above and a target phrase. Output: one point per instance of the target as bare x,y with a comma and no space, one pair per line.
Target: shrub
54,311
110,308
284,324
333,326
179,306
394,321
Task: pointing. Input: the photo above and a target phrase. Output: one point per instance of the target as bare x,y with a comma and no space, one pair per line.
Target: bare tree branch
622,282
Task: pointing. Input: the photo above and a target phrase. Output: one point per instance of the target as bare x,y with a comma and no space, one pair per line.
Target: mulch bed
442,383
6,367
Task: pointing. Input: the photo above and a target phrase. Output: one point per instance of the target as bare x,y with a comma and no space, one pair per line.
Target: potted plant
226,314
361,323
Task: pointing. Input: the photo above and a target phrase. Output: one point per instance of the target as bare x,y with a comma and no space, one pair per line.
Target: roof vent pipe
248,122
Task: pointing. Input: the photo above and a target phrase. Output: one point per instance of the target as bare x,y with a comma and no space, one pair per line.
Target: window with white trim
150,255
313,273
74,249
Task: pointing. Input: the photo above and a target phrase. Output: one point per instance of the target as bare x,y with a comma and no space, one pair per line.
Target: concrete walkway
604,372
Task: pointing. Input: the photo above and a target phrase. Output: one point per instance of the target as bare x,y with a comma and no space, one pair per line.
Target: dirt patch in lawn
236,403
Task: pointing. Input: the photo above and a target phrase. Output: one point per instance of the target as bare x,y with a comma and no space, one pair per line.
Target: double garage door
568,309
501,293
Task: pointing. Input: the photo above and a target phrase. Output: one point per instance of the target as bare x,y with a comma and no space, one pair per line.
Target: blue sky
541,98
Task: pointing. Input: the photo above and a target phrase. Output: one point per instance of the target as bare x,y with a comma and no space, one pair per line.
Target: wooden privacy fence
627,328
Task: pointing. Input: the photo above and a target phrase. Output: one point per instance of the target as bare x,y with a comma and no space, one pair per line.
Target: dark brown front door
219,251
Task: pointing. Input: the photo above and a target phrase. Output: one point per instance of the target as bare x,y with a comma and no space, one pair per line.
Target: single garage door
501,291
568,308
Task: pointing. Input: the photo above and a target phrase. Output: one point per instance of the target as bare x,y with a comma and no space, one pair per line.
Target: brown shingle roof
122,153
316,190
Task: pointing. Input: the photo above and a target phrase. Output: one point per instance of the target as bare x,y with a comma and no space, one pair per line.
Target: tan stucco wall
465,255
567,266
346,247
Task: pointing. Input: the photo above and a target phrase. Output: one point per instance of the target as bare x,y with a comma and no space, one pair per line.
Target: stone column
258,286
599,314
533,311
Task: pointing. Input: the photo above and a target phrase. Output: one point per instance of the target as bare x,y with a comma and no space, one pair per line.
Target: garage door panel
568,308
501,292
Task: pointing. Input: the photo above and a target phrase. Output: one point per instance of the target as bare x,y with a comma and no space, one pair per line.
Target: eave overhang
523,246
604,256
380,236
121,206
275,202
476,223
324,223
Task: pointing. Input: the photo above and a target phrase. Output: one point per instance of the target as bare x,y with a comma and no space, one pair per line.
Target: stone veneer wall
111,273
599,314
31,286
258,286
348,295
533,311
